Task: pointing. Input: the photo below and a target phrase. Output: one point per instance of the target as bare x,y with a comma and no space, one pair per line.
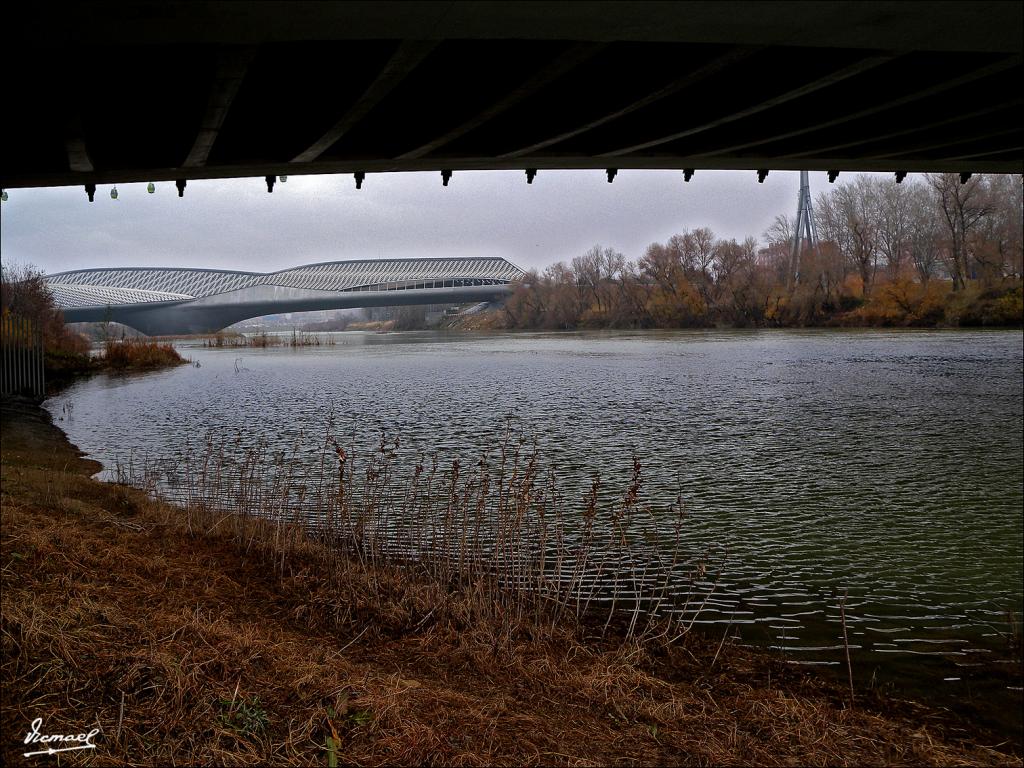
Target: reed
846,645
498,529
138,354
263,340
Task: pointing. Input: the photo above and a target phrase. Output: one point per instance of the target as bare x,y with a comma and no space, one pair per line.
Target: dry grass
137,354
264,339
497,530
188,639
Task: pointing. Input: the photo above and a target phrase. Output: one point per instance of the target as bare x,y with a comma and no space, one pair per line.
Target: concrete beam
408,56
952,141
78,156
231,68
710,69
568,61
828,80
922,128
970,77
909,25
988,153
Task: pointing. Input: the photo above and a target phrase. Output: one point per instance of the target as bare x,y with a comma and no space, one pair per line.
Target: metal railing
21,350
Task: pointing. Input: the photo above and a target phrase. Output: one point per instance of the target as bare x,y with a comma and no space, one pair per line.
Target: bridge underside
174,318
143,91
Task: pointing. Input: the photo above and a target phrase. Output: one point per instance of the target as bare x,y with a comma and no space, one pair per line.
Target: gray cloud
235,224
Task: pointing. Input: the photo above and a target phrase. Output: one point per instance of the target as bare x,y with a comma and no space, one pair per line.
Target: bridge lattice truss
123,286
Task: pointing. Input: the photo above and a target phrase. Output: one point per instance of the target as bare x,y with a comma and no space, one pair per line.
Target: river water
884,464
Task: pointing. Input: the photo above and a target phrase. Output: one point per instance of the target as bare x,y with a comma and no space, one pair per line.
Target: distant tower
805,231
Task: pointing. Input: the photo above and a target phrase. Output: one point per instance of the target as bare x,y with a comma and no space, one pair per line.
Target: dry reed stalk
499,531
846,645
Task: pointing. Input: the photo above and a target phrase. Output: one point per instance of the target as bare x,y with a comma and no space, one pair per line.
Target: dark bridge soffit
691,78
231,67
823,82
1000,66
78,155
982,25
1010,104
408,56
215,90
74,139
571,59
952,142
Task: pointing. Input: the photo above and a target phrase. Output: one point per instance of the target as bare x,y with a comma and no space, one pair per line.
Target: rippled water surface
885,464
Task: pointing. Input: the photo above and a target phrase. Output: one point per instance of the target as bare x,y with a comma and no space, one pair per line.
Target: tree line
937,250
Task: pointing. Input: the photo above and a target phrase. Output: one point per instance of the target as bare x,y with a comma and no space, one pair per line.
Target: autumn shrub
848,302
897,301
1008,309
932,306
804,305
24,293
135,354
877,313
903,302
683,308
1000,305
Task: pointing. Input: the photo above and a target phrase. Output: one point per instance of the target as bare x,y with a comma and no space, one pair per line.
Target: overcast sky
235,224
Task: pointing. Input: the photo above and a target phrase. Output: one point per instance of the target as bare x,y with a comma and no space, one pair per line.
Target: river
888,465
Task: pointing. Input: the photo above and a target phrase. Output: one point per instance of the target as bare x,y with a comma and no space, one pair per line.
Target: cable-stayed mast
805,230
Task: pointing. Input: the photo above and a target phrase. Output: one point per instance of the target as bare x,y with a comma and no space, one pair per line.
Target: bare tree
781,230
631,298
597,272
832,227
587,271
565,306
855,204
672,299
997,247
924,242
740,295
703,244
962,206
892,214
683,250
777,254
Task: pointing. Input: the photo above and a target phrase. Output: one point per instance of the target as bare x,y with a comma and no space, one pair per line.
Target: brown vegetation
23,293
937,252
138,355
201,638
499,527
264,340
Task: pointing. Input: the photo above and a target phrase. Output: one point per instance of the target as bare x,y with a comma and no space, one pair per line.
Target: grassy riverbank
63,367
193,639
138,355
67,356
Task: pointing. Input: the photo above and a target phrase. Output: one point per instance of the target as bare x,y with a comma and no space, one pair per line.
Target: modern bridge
167,301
